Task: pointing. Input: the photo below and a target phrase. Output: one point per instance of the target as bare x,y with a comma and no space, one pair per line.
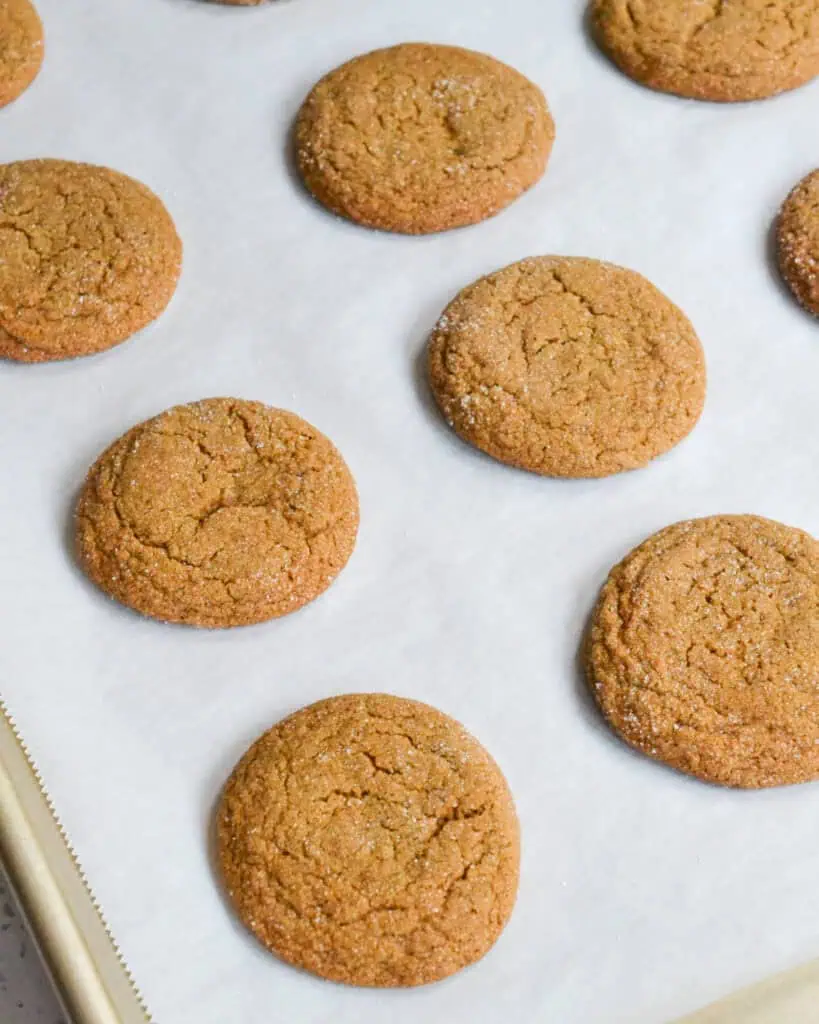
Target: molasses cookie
218,513
567,367
21,48
798,242
90,257
370,840
724,50
420,138
704,650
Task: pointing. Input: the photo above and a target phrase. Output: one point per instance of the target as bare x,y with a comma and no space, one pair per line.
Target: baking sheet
72,937
791,997
644,894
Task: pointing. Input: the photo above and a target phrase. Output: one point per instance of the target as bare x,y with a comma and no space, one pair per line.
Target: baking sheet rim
86,966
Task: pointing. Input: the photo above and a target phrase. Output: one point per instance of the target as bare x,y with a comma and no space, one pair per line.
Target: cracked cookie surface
218,513
370,840
725,50
704,650
90,257
420,138
567,367
798,242
21,48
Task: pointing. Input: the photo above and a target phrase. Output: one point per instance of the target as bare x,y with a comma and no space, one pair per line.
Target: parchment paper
644,894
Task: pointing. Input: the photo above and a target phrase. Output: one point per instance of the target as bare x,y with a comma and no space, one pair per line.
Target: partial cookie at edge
704,650
798,242
90,257
726,52
21,48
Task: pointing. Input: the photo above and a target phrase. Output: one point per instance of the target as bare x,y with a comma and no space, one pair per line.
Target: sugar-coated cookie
725,50
798,242
704,650
90,257
371,840
419,138
567,367
21,48
218,513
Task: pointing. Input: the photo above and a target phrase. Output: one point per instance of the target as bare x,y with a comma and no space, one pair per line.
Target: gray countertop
26,995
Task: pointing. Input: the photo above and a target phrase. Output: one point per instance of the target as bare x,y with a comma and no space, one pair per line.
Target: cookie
704,650
370,840
725,50
21,48
218,513
420,138
798,242
567,367
90,256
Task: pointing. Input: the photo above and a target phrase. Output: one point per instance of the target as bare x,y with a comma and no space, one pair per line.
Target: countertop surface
26,996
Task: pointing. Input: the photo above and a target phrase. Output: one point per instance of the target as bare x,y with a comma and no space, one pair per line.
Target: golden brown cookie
725,50
567,367
370,840
420,138
90,256
21,48
218,513
704,650
798,242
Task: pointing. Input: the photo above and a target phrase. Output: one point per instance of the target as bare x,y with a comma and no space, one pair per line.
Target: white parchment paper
643,894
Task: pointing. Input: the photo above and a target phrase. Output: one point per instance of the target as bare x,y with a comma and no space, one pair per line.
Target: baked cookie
798,242
90,256
218,513
725,50
21,48
704,650
370,840
420,138
567,367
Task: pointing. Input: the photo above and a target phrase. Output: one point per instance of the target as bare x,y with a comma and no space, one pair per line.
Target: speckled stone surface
26,996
